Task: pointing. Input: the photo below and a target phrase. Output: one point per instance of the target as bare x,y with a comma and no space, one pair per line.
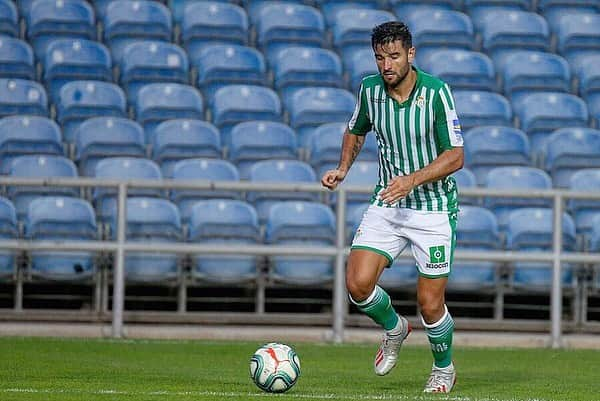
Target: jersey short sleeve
359,123
446,124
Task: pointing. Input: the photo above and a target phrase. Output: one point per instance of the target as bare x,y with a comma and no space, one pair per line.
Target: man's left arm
450,151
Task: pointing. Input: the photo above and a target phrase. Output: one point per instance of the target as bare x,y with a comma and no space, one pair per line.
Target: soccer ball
275,368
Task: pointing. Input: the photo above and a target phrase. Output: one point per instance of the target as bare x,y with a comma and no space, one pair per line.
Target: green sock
378,306
440,339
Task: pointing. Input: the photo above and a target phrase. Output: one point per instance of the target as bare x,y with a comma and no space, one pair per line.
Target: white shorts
432,237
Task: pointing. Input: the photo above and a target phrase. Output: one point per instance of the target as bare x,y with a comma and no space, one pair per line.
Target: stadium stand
75,59
461,69
66,219
8,231
179,139
126,21
583,211
360,64
48,20
466,179
252,141
530,229
39,166
9,19
441,28
304,224
482,108
148,220
351,27
20,96
330,8
279,171
27,135
515,177
101,137
205,22
487,147
16,59
80,100
222,222
577,35
568,150
202,169
224,64
158,102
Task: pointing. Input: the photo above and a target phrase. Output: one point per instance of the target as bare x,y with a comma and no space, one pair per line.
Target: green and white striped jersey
410,135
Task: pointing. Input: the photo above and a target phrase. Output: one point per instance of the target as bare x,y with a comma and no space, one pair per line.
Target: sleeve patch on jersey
454,129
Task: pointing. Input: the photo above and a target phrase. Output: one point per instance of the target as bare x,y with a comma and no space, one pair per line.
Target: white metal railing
120,246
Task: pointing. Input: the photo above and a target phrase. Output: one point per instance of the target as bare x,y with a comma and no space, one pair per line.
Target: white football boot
441,380
387,355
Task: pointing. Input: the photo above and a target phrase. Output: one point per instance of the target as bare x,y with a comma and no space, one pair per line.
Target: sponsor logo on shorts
437,257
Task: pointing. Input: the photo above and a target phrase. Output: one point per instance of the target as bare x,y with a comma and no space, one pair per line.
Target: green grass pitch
35,369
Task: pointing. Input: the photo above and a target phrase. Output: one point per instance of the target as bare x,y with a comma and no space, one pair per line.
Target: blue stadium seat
16,59
295,67
447,28
313,106
80,100
282,25
461,69
20,96
252,141
533,71
302,224
65,219
223,222
352,27
178,139
209,22
479,9
100,137
255,7
75,59
541,113
123,168
503,31
584,180
405,9
202,170
48,20
362,173
126,21
569,149
530,229
449,4
159,102
477,108
26,135
588,75
554,10
149,220
330,8
477,229
578,34
288,171
9,19
516,178
326,144
353,220
8,231
493,146
595,239
40,166
224,64
152,61
360,64
233,104
465,178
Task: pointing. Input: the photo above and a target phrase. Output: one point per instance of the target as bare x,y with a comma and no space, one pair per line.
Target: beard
400,77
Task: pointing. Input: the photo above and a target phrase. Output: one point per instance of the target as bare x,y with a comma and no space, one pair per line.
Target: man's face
393,62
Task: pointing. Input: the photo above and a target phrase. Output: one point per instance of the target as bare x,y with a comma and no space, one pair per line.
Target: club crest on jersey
420,101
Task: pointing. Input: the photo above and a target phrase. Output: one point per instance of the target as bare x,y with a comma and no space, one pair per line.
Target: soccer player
414,201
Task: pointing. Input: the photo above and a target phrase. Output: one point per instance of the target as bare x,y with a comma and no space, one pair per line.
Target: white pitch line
256,395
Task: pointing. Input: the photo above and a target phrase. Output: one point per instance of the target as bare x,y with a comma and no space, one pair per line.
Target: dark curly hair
389,32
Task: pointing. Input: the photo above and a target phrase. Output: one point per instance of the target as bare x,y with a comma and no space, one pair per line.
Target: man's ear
411,55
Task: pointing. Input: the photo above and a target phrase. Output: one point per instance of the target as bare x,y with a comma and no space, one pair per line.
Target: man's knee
359,287
431,306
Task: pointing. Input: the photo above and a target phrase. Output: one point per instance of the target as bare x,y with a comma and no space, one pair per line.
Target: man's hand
398,188
332,178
